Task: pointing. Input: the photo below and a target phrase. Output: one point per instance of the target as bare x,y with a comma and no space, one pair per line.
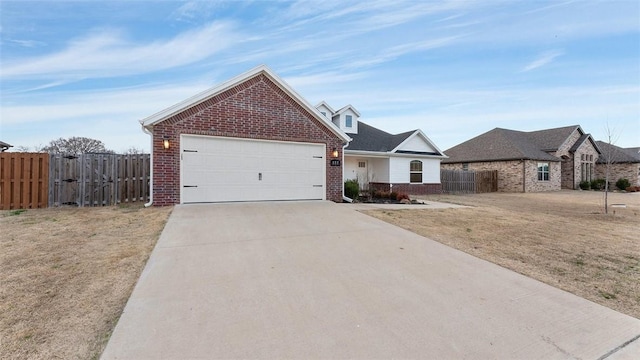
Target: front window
348,122
465,167
586,167
415,171
543,171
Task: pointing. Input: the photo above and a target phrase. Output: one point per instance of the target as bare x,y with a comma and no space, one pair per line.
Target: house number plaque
335,162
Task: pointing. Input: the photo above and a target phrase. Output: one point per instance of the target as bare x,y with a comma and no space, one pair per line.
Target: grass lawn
561,238
66,274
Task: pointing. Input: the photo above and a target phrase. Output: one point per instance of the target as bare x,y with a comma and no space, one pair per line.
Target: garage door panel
227,169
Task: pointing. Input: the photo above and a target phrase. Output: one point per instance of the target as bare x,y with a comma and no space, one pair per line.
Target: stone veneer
571,167
510,174
629,171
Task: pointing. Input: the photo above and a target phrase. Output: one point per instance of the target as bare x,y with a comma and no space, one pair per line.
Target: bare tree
36,148
132,150
608,159
76,145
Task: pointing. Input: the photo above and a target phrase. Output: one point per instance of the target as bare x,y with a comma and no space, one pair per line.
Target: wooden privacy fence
98,179
23,180
458,181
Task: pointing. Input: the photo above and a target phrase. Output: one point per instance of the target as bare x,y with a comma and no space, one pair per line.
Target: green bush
585,185
597,184
622,184
351,189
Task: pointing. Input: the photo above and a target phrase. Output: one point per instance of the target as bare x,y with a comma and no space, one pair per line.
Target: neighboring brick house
544,160
252,138
623,163
407,162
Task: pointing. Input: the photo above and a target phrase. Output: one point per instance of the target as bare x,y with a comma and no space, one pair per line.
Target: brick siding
510,174
629,171
410,189
254,109
571,167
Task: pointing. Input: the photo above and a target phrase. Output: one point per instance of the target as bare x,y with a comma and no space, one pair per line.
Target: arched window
415,171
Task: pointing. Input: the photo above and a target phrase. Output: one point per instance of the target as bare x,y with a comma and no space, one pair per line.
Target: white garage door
216,169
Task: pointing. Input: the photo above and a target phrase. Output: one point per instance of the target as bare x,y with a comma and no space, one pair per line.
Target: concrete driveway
301,280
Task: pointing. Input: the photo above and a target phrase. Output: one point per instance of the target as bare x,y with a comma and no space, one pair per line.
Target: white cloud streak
108,53
543,59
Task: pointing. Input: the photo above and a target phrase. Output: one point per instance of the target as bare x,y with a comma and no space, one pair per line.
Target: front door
363,174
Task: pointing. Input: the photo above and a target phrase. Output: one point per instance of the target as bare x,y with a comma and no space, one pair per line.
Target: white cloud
192,10
397,51
543,59
27,43
108,53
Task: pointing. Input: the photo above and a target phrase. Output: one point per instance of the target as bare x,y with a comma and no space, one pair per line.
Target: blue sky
454,69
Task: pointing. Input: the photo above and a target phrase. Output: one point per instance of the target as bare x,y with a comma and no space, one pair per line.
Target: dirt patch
66,275
561,238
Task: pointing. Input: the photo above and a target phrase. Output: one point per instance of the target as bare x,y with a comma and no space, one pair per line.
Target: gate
98,179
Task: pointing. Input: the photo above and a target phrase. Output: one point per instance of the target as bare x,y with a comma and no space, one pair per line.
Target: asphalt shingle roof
369,138
503,144
616,154
551,139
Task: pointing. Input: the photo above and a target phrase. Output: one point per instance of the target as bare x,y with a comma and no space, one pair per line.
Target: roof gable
373,139
345,108
326,106
417,142
257,71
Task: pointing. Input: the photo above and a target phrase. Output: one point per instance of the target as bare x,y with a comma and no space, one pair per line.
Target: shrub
597,184
402,196
633,189
622,184
585,185
351,189
393,195
381,194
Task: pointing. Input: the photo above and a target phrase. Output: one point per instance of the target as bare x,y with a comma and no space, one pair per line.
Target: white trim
150,133
321,103
380,154
207,94
377,154
345,108
425,138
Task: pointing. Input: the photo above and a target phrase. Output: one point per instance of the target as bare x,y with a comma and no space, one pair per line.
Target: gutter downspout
344,197
151,167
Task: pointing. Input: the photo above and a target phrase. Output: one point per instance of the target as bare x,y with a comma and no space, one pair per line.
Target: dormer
325,109
347,119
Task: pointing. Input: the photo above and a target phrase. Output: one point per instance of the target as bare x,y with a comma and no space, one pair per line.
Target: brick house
252,138
408,162
623,163
544,160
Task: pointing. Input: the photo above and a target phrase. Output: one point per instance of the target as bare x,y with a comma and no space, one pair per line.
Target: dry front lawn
66,274
561,238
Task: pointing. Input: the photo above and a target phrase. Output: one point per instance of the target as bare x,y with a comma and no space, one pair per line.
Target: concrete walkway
302,280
